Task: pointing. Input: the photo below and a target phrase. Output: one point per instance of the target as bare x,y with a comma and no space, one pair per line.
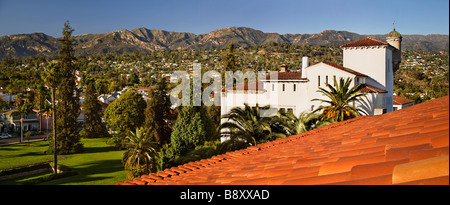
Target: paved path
15,140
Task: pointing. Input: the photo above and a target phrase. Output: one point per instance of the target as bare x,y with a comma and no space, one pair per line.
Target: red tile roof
401,100
370,89
346,69
364,42
248,86
408,146
287,76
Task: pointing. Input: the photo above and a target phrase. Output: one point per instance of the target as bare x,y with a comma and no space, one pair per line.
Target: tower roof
394,33
364,42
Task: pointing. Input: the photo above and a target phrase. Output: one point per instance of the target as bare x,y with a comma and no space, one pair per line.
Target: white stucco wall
376,62
370,61
323,70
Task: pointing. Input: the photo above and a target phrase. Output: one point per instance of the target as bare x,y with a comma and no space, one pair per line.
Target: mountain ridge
147,40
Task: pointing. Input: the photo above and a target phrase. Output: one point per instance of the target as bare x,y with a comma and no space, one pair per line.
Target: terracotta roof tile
345,69
401,100
364,42
408,146
422,169
370,89
248,86
286,76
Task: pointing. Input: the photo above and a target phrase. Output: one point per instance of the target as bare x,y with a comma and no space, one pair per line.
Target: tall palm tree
340,100
139,158
246,126
51,78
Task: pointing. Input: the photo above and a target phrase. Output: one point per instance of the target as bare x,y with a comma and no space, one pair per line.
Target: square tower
373,58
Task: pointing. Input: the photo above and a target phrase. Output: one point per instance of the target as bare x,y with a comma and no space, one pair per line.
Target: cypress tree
92,109
67,98
230,59
158,115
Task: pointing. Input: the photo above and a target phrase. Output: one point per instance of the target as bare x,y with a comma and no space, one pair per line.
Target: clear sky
204,16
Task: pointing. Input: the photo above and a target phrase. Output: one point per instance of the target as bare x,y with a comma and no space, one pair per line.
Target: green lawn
99,164
22,154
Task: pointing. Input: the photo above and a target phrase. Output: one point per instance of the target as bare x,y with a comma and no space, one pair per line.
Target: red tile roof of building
364,42
408,146
248,86
285,76
346,69
370,89
401,100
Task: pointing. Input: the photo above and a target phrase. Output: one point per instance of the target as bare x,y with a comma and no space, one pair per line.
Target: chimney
305,63
283,68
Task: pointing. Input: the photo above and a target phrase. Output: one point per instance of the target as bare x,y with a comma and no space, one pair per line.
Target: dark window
295,87
318,80
283,87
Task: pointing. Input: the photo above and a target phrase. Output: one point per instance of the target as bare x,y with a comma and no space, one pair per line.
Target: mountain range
146,40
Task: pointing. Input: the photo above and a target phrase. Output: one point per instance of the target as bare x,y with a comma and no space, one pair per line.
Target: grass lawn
21,154
99,164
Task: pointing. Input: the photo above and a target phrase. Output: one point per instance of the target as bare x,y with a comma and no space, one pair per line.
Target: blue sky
204,16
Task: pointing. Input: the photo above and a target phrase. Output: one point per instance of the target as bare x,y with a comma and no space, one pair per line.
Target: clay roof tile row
408,146
364,42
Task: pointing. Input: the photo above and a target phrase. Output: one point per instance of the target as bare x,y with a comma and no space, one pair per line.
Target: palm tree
339,100
39,98
51,79
139,158
246,126
306,121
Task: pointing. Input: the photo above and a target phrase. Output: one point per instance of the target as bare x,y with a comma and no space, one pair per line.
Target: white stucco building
367,61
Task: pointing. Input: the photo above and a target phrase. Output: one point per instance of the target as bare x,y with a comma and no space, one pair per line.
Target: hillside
146,40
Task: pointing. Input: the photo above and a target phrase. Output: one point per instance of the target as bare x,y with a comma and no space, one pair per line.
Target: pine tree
92,109
67,98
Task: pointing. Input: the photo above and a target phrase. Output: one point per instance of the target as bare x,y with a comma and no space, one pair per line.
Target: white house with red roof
367,61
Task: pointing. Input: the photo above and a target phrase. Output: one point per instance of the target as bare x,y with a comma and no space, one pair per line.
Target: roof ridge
340,67
368,41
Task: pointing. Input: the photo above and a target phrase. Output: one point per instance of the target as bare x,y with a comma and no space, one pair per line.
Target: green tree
133,79
67,96
293,125
230,59
189,131
340,100
246,126
126,113
92,109
139,157
23,107
158,115
51,79
39,100
3,104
